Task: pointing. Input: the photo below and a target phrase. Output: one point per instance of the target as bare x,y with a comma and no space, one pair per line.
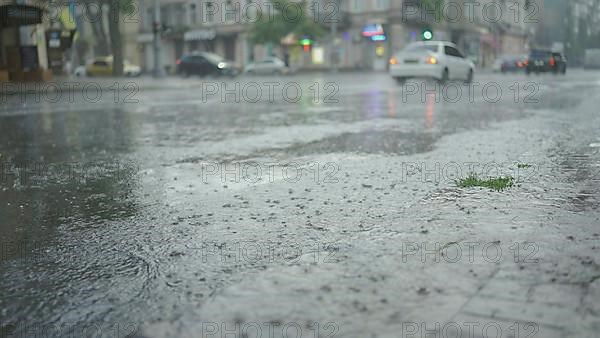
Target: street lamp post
158,71
334,29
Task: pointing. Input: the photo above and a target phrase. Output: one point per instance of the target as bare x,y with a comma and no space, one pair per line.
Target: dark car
510,63
205,64
541,61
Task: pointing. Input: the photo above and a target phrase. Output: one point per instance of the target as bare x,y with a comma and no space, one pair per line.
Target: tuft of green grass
497,184
524,166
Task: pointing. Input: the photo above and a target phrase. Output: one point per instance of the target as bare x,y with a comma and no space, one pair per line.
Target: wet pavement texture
180,214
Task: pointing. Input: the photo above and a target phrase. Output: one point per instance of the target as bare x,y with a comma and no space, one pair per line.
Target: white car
439,60
270,65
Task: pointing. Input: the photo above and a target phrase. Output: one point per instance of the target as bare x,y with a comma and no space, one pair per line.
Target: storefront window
383,4
357,5
230,12
193,14
209,12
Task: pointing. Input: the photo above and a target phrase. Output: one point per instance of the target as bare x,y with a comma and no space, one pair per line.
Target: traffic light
427,34
306,44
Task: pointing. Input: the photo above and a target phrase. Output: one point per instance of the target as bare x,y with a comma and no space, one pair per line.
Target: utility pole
334,29
156,29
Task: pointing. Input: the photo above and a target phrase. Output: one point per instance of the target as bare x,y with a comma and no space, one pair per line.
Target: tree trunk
115,37
98,28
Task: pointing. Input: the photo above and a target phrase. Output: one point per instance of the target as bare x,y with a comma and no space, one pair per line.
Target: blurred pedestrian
286,58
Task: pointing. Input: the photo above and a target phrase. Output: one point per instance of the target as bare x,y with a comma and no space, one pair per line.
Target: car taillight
431,60
178,62
552,61
393,61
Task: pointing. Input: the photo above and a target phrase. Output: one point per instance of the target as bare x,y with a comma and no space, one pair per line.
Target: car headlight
221,65
431,60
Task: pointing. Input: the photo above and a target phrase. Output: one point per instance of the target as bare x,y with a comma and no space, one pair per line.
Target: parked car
439,60
544,61
205,64
270,65
510,63
103,66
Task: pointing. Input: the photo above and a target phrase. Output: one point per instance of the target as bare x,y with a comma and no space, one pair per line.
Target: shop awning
20,15
201,34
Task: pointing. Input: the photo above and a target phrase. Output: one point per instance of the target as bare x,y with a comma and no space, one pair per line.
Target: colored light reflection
429,110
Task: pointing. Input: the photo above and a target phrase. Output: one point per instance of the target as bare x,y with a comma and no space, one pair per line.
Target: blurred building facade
194,25
483,29
490,28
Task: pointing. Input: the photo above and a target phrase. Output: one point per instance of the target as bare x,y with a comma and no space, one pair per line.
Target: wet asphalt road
172,210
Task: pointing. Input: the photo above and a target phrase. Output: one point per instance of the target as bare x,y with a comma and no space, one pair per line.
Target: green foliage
286,19
127,7
435,6
431,4
497,184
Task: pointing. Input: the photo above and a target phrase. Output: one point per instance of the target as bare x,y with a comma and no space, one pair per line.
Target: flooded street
195,207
